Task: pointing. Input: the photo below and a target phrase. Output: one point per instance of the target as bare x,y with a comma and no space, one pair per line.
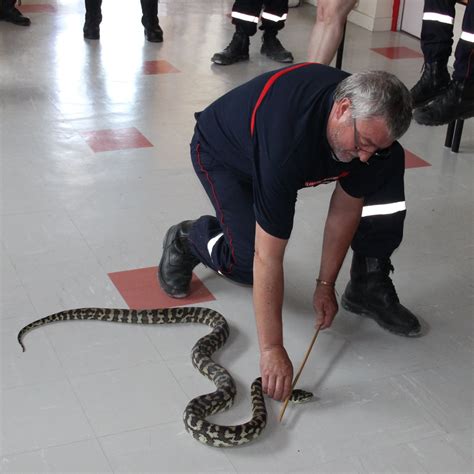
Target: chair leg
340,50
457,135
449,134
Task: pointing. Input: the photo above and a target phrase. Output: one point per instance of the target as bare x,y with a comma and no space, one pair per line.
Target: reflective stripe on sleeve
467,36
244,17
431,16
275,18
212,242
383,209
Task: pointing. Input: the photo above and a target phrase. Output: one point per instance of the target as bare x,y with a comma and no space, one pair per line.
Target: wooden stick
282,412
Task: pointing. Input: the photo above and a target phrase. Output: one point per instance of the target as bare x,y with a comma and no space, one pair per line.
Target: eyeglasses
380,153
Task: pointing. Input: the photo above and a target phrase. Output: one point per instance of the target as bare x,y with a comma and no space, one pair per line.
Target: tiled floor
95,168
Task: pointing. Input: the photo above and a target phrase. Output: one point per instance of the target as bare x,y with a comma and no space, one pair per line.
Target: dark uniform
246,13
437,98
8,12
153,31
437,36
256,146
253,149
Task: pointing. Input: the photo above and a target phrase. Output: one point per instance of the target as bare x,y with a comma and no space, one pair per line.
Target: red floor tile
159,67
140,289
116,139
414,161
38,8
398,52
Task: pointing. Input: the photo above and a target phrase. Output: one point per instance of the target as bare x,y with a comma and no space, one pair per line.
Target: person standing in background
438,98
245,17
326,36
8,12
153,31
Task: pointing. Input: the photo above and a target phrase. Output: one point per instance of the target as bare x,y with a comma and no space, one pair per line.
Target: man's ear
341,107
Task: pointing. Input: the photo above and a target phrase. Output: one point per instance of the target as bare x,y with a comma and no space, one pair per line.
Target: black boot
150,21
9,13
177,262
93,19
371,293
237,50
272,48
154,34
456,103
433,82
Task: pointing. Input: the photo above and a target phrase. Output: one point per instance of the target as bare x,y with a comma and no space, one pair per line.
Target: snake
202,406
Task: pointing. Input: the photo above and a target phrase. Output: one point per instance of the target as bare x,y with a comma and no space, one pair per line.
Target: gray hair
378,94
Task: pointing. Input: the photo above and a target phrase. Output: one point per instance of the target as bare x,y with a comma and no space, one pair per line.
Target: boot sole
436,123
278,60
360,311
427,101
17,23
220,62
164,286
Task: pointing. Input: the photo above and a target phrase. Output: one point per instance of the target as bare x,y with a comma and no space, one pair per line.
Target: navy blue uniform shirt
288,149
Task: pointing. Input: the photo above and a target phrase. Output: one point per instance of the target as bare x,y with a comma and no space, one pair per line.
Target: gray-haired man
304,125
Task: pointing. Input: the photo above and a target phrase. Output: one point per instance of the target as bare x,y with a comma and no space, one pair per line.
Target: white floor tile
130,398
83,456
39,364
161,449
437,455
41,416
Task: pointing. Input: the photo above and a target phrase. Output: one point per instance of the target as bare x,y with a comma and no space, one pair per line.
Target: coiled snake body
198,408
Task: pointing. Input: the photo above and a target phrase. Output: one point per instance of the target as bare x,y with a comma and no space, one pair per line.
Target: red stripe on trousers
218,206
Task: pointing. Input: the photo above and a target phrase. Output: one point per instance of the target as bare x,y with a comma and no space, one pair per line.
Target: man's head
371,110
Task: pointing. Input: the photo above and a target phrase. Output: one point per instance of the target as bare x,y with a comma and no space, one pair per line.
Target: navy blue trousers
225,242
437,37
244,13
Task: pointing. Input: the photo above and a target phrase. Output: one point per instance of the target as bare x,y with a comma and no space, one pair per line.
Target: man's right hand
277,372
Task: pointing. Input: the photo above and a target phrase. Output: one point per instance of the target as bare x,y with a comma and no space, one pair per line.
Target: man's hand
277,372
325,305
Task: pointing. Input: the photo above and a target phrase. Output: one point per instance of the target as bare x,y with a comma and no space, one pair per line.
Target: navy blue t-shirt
288,149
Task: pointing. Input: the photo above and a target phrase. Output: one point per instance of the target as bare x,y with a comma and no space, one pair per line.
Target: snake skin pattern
199,408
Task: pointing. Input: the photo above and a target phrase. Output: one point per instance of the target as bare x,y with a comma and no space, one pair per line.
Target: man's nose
364,156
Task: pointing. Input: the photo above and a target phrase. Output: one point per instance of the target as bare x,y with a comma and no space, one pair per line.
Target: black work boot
237,50
371,293
177,262
433,82
154,33
456,103
9,13
150,21
93,19
272,48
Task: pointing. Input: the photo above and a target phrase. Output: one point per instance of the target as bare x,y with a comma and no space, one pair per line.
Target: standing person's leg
370,292
150,21
8,12
436,44
464,54
93,18
224,243
273,20
457,102
245,16
326,36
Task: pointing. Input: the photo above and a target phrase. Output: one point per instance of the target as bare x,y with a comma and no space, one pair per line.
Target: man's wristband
332,284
